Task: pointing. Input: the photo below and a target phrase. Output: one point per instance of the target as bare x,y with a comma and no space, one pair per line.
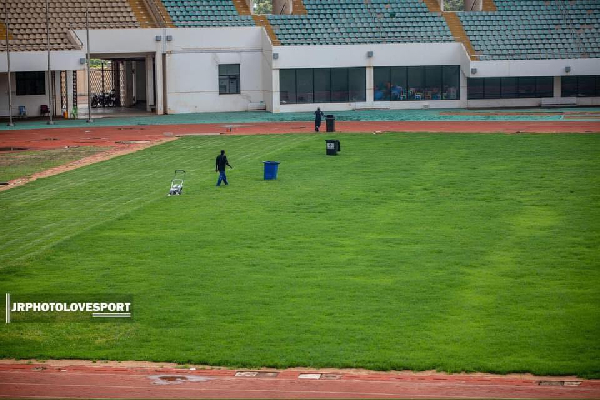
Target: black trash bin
330,123
332,147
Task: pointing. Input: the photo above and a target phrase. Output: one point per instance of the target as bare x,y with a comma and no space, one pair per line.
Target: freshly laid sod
22,163
407,251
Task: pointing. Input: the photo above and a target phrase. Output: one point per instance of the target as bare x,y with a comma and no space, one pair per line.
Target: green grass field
23,163
407,251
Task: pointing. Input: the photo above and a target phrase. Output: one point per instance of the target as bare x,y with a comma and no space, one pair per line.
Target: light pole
10,121
50,122
89,85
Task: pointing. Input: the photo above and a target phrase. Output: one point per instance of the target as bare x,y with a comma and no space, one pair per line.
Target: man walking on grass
220,164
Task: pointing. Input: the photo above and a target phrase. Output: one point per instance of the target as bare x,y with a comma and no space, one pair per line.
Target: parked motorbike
105,99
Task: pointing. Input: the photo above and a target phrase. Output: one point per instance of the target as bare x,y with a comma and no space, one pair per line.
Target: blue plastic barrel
271,168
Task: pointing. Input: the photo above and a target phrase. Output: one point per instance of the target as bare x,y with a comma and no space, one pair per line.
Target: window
324,85
287,83
432,82
304,86
229,79
510,88
398,83
582,86
357,84
526,87
31,83
381,87
544,86
451,82
586,86
415,83
339,85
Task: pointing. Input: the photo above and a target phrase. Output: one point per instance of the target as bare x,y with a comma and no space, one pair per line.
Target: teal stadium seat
205,13
341,22
535,29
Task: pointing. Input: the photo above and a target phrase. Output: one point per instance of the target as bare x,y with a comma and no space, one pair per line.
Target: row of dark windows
525,87
435,82
324,85
580,86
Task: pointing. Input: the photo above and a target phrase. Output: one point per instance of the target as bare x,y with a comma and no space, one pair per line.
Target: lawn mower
177,183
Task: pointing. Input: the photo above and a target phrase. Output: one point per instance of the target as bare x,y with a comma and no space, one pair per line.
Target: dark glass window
357,84
339,85
544,86
398,83
287,84
582,86
586,86
451,82
31,83
304,86
433,83
509,88
322,85
492,88
475,88
415,83
229,79
381,87
527,87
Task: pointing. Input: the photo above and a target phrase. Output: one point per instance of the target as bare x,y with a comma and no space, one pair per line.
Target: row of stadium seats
27,21
535,29
205,13
342,22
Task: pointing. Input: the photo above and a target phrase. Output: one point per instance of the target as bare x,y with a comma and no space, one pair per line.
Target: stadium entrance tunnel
119,86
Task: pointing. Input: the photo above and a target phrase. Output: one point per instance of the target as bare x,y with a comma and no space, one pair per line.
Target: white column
149,83
128,84
69,83
275,93
370,90
57,94
158,60
557,86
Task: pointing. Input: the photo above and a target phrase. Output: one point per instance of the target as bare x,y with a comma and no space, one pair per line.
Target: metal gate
108,77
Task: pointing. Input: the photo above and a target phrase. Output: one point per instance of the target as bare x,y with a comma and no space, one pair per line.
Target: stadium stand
535,29
27,21
356,21
207,13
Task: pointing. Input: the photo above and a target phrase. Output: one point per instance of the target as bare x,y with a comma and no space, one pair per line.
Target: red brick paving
111,381
48,138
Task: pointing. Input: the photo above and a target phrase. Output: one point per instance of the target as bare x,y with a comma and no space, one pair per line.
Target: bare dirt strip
84,379
127,139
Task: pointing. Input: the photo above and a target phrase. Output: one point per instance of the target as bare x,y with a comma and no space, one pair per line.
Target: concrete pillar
463,88
370,90
158,60
57,94
149,83
69,82
276,91
128,101
557,86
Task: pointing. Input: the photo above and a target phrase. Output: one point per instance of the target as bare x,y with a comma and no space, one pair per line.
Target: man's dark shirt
221,162
318,115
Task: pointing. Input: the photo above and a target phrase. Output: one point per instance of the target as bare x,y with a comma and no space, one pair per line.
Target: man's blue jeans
222,177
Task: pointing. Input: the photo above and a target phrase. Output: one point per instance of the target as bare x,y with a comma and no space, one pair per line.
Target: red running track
109,136
86,380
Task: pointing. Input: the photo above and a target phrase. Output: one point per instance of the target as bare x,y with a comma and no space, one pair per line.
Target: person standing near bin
318,115
220,164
